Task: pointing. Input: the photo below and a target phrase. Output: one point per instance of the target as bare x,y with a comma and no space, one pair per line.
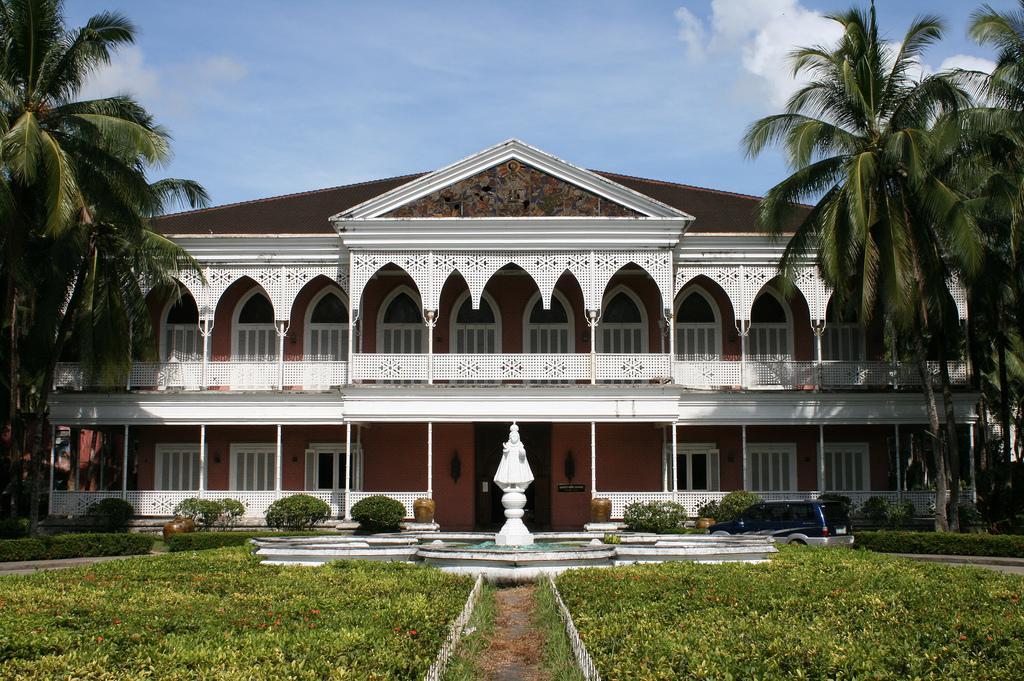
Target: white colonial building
380,337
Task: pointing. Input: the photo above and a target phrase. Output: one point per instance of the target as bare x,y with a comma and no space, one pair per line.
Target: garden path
516,647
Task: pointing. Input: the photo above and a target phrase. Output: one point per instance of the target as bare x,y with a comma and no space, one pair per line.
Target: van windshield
834,513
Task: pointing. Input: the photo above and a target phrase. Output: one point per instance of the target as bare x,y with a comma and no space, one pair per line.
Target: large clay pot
423,510
704,523
179,526
600,510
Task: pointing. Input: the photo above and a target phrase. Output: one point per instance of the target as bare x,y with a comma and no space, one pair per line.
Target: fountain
513,556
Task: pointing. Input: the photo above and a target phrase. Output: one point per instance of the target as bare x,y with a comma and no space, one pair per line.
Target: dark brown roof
308,212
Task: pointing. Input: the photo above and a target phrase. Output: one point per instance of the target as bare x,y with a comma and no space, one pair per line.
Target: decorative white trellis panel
959,294
633,367
706,373
389,367
816,292
862,373
315,375
508,367
783,374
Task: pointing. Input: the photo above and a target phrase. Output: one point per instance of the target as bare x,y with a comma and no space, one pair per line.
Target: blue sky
266,98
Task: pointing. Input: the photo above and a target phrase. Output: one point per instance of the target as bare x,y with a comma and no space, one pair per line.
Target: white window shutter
311,469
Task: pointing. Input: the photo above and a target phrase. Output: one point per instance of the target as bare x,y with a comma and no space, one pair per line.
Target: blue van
813,523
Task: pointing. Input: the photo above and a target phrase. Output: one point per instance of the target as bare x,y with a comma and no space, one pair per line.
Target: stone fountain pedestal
513,532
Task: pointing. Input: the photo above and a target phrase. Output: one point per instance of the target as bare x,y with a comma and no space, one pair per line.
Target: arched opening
476,331
843,338
400,329
548,331
698,326
623,323
326,327
181,339
771,327
254,337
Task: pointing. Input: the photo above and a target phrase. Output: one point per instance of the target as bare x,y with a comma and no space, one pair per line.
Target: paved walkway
27,567
1013,566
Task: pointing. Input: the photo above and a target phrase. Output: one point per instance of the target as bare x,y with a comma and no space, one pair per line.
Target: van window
755,513
779,513
834,513
801,512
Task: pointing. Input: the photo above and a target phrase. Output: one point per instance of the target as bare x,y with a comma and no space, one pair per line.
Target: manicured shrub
297,512
112,515
201,541
968,515
207,513
75,546
877,509
654,516
378,513
814,614
901,513
709,510
942,543
13,528
735,503
845,501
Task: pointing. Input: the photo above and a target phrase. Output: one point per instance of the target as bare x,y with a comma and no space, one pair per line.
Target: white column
746,465
281,332
124,465
592,323
899,466
351,320
348,471
818,331
202,459
430,459
664,460
970,459
821,457
431,323
204,330
743,355
675,461
593,460
672,334
278,461
53,466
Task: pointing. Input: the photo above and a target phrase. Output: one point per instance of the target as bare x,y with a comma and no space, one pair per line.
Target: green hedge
944,543
74,546
808,613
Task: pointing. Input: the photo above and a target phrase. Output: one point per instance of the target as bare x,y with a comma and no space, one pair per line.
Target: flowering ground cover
221,615
809,613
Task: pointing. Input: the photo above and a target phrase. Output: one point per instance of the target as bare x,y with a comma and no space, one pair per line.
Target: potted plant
706,515
423,510
600,510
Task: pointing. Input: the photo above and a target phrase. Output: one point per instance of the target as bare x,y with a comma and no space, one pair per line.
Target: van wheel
798,542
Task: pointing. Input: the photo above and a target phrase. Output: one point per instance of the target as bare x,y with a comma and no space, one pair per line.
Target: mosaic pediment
511,189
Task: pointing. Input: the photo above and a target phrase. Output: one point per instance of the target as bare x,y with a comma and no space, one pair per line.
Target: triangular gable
511,189
511,179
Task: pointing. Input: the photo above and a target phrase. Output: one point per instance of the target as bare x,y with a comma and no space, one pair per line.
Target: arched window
476,331
549,331
698,327
401,327
255,337
771,335
181,338
623,327
843,338
327,328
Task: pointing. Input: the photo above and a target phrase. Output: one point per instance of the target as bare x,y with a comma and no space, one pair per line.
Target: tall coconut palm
886,231
74,194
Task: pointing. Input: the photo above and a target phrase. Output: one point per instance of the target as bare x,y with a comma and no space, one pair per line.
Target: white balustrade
706,373
319,375
864,373
780,374
633,367
389,367
511,367
407,498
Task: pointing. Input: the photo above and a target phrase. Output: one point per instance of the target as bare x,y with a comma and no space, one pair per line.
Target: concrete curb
963,560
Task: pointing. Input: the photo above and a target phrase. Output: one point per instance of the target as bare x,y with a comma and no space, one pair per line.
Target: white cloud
127,73
764,33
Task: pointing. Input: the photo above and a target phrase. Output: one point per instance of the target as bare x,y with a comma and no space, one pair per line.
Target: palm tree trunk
952,442
1004,395
15,453
938,454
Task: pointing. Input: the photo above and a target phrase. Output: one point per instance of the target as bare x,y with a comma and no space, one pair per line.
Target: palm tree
76,205
886,231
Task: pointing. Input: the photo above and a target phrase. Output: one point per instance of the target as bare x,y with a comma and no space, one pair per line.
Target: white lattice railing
570,367
693,500
161,503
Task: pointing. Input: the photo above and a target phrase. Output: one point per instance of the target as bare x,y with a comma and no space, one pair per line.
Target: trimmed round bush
209,512
709,510
877,509
112,515
232,510
13,528
654,516
297,512
735,503
378,513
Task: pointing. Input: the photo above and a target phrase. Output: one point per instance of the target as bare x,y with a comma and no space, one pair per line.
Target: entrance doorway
536,438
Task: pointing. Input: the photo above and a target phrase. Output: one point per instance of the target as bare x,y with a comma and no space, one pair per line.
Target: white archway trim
645,342
454,324
237,326
307,320
682,325
527,326
382,310
767,290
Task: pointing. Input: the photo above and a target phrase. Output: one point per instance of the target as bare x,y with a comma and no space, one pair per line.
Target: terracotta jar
600,510
178,526
423,510
704,523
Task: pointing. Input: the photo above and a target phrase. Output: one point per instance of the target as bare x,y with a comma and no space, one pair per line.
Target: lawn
809,613
220,615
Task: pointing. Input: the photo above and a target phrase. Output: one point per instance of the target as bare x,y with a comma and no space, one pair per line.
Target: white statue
513,477
514,469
